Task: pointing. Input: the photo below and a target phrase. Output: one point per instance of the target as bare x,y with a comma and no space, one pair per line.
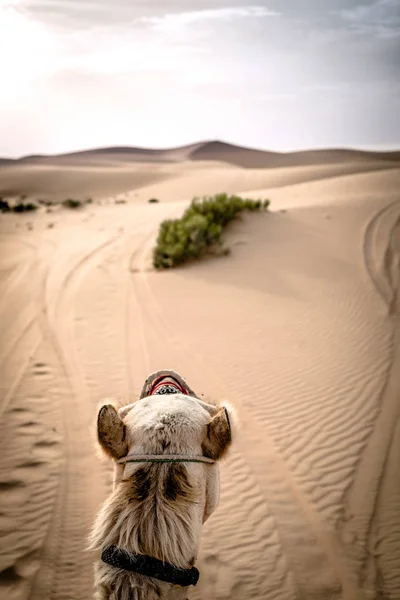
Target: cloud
174,21
40,50
381,11
25,44
381,18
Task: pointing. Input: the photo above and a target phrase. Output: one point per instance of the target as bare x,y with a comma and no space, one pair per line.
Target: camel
165,447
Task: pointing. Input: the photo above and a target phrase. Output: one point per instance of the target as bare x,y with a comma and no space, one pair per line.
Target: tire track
379,257
65,572
13,281
361,500
36,305
22,352
381,254
137,348
135,342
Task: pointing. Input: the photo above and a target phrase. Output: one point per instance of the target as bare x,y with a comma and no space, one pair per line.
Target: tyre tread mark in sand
380,269
135,337
62,547
375,457
38,305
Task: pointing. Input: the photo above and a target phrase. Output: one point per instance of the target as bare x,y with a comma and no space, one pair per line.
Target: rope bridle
157,389
165,458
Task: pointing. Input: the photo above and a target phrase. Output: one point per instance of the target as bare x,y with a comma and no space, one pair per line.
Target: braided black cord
149,567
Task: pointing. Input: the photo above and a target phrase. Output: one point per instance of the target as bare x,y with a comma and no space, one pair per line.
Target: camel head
166,450
159,423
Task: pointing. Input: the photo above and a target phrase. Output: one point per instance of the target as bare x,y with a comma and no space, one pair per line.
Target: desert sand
298,328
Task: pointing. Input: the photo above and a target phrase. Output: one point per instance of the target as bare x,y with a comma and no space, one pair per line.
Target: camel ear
111,432
218,435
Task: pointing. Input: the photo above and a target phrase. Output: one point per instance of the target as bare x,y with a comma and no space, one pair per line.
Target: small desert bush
24,207
199,230
4,206
71,203
20,207
153,200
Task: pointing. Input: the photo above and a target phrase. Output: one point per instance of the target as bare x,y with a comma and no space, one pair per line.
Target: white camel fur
158,509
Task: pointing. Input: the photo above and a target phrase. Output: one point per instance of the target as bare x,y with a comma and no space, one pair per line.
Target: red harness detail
167,380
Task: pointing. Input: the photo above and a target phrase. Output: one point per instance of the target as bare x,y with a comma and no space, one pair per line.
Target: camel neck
171,592
147,590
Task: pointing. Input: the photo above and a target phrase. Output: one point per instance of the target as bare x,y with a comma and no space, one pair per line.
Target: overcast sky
279,75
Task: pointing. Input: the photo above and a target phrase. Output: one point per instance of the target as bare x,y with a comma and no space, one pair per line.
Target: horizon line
362,147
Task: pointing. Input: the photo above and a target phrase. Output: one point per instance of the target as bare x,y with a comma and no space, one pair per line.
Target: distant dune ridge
210,151
116,170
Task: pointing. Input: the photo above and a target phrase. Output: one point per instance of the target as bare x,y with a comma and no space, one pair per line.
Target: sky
277,74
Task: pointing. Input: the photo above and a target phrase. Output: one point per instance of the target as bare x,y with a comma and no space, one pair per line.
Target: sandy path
298,329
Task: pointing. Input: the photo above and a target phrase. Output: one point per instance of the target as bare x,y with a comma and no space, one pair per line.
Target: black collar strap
149,567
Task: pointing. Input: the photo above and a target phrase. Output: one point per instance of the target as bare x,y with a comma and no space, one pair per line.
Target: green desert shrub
198,231
71,203
153,200
4,206
24,207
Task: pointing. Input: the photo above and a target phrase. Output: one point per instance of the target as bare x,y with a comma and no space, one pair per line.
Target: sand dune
167,182
95,180
247,157
298,328
215,151
124,170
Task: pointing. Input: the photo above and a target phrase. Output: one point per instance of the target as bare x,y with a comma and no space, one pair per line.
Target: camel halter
166,384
